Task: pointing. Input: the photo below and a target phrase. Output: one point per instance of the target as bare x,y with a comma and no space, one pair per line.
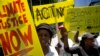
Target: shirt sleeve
72,50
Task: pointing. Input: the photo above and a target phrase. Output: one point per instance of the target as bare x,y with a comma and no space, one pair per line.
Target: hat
88,35
46,27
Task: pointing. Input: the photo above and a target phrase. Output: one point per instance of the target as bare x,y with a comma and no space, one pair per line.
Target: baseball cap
88,35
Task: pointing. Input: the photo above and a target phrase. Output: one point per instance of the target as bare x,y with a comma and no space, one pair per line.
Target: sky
81,3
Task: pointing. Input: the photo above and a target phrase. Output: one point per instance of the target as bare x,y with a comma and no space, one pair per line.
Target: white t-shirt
52,52
54,40
62,51
98,40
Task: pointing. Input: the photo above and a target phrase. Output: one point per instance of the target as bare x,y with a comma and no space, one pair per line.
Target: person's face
44,37
89,42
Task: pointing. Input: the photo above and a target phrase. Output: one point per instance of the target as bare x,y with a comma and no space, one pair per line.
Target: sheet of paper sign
83,18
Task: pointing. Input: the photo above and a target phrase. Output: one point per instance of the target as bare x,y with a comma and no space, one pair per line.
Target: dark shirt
90,52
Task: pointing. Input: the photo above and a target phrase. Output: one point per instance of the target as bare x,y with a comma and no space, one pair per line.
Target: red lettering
14,21
0,23
4,25
7,40
19,2
26,37
5,43
24,18
23,7
8,24
4,9
3,15
8,10
19,20
13,34
15,7
12,8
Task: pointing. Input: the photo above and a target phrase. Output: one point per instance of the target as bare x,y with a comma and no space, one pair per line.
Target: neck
87,47
45,50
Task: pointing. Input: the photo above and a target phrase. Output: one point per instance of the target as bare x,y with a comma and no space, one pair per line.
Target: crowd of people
86,46
54,44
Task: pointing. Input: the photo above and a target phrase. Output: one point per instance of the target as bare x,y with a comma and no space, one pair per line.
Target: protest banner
18,35
51,13
83,18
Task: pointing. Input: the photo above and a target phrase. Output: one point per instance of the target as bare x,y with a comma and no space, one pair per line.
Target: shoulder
70,42
75,47
52,51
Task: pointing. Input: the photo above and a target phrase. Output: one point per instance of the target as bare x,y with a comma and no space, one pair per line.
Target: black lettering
60,11
44,12
38,14
52,8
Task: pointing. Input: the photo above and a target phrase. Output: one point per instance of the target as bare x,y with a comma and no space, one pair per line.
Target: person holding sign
86,46
64,34
45,33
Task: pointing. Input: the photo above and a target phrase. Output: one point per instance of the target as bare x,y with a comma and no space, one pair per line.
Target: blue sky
79,3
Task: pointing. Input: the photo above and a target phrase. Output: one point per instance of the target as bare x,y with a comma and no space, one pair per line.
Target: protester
45,33
64,33
86,46
58,41
77,38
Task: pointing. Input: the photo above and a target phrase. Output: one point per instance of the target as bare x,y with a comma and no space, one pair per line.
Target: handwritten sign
17,31
84,18
51,13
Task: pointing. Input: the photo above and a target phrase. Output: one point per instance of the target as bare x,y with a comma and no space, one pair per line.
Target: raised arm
76,37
